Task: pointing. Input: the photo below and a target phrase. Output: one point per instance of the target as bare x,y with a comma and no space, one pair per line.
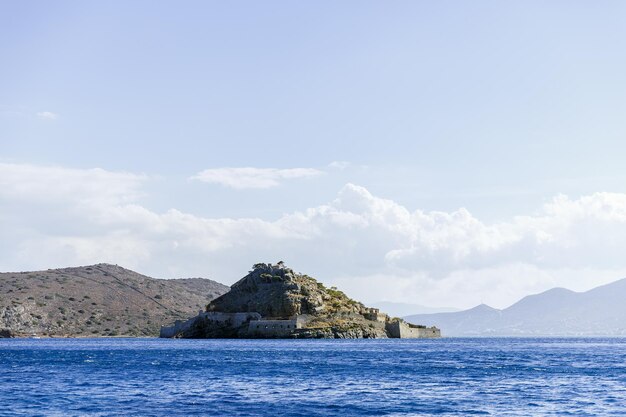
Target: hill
556,312
274,301
275,292
278,291
97,300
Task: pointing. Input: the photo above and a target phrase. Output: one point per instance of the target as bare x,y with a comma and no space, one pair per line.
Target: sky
438,153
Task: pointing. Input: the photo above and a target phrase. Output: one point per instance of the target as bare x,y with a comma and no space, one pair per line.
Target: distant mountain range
405,309
97,300
556,312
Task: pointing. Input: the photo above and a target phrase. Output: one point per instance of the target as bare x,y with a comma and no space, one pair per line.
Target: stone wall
374,314
272,328
402,330
229,320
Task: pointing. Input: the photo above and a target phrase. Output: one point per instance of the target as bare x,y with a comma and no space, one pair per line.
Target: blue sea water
445,377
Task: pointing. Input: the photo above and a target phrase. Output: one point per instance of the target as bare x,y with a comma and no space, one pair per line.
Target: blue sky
493,107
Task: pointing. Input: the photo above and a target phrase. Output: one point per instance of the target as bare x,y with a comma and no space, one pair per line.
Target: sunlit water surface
152,377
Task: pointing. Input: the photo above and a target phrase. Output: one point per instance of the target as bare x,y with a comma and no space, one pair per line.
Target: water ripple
447,377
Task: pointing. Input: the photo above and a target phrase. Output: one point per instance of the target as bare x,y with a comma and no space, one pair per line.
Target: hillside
288,294
98,300
556,312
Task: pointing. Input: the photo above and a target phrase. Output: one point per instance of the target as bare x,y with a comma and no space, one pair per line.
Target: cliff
97,300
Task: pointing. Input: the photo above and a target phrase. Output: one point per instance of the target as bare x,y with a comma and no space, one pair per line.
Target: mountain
406,309
97,300
556,312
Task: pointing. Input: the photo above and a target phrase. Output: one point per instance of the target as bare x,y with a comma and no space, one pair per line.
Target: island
273,301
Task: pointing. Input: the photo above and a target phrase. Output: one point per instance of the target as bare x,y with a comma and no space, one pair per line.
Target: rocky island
272,301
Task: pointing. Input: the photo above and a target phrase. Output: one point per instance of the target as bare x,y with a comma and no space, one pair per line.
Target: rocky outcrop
277,291
19,319
6,333
360,332
273,301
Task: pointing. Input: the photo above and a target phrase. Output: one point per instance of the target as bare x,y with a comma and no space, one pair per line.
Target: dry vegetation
98,300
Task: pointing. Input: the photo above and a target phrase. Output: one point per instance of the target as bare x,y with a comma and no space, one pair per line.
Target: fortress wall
233,320
272,328
423,332
401,330
230,319
375,316
393,329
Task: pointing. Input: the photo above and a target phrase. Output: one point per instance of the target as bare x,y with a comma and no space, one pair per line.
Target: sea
419,377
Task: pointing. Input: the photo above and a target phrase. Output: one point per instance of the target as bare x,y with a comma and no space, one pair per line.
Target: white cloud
249,177
374,248
31,183
47,115
340,165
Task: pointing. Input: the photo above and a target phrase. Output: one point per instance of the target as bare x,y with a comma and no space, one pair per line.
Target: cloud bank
248,177
372,247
